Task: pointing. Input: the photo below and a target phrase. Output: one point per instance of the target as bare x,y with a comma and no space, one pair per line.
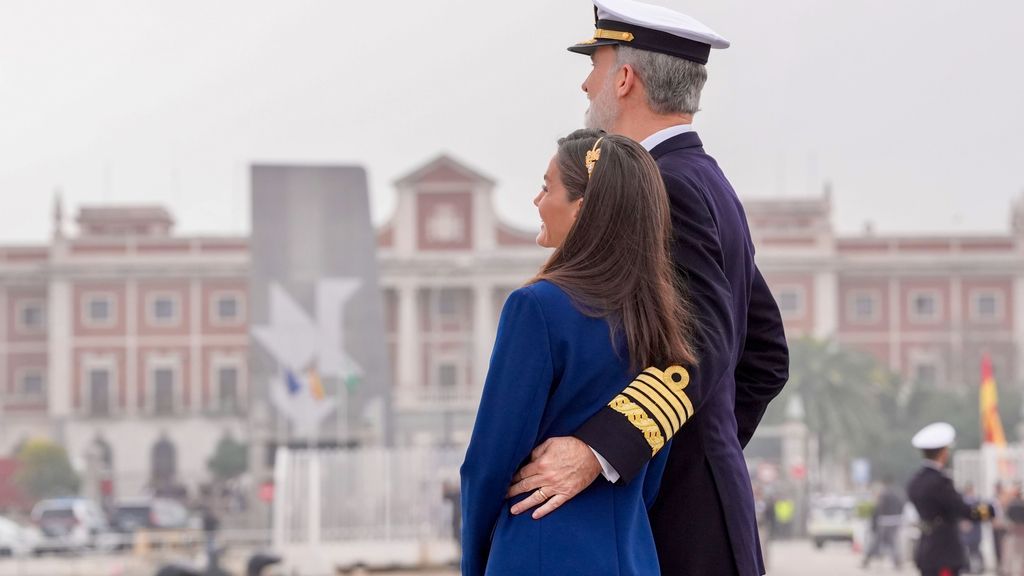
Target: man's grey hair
673,84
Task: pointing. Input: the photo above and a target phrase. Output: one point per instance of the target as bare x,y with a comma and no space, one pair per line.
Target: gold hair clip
593,155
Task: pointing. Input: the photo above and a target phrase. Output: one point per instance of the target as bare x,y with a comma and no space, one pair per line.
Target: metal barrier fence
324,496
983,468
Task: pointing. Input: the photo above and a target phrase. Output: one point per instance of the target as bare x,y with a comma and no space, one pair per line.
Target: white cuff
609,473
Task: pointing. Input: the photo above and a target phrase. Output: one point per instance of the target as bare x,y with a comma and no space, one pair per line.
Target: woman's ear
577,206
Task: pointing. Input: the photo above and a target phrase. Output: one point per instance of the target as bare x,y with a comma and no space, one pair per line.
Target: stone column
483,333
407,383
826,304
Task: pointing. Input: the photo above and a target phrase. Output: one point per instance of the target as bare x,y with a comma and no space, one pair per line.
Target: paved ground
800,558
785,559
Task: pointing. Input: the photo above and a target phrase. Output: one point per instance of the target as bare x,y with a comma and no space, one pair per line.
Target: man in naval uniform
648,73
939,505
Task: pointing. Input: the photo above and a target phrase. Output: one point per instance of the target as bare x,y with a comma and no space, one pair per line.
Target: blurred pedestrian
783,512
886,522
764,508
940,506
999,523
1013,541
970,536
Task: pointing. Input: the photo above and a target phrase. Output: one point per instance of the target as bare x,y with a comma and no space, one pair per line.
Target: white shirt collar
661,135
932,464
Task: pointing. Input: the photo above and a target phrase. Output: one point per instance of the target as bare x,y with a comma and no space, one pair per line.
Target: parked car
149,513
70,524
832,519
17,540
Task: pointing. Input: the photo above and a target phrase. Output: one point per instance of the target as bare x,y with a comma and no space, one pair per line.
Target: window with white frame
99,389
791,301
164,390
31,316
98,309
227,389
226,308
30,383
163,309
862,306
986,306
924,305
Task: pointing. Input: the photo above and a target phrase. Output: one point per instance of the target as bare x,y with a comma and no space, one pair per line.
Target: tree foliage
858,409
230,459
44,471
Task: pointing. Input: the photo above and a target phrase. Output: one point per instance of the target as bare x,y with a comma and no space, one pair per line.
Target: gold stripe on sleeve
662,388
674,414
637,416
676,379
653,410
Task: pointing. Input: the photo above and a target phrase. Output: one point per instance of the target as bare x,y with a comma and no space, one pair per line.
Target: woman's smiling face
557,213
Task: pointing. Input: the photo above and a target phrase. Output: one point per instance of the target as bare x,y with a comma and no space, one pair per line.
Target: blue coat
703,519
551,368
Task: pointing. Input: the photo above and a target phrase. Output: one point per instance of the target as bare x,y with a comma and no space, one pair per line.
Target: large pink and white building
125,335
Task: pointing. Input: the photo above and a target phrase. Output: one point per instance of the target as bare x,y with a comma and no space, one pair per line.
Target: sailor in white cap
646,82
939,505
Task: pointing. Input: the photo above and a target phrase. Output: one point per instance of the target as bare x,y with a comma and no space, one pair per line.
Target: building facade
926,307
127,340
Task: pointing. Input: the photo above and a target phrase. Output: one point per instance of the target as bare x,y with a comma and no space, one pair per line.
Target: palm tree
840,391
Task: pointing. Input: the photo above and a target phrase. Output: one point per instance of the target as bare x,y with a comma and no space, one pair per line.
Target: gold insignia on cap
603,34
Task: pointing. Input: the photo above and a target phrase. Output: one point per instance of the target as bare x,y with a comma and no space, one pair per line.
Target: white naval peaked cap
649,27
935,435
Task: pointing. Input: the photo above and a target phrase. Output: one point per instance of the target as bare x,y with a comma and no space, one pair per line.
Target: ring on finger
542,494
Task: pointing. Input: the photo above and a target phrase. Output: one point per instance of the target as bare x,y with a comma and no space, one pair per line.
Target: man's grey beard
602,112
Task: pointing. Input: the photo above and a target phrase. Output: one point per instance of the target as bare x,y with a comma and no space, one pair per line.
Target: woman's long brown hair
615,262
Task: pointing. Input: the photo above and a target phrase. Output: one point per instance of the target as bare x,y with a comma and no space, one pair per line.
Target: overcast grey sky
914,109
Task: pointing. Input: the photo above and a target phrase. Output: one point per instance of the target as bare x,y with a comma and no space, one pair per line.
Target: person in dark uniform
940,507
647,77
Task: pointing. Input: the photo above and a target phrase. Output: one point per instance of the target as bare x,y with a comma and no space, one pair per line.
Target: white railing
983,468
325,496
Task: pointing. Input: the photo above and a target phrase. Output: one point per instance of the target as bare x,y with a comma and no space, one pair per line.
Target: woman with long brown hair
602,308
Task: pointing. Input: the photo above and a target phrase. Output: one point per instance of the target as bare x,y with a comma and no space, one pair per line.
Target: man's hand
559,469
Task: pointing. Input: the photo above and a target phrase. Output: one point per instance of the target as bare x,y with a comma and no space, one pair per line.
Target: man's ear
625,81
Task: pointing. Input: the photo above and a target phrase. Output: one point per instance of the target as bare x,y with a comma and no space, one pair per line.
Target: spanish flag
991,425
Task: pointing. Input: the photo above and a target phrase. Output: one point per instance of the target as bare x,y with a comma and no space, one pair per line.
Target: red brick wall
15,298
1002,288
849,288
937,285
210,291
16,364
114,289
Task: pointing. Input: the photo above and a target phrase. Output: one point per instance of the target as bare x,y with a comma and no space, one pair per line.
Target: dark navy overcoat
703,518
